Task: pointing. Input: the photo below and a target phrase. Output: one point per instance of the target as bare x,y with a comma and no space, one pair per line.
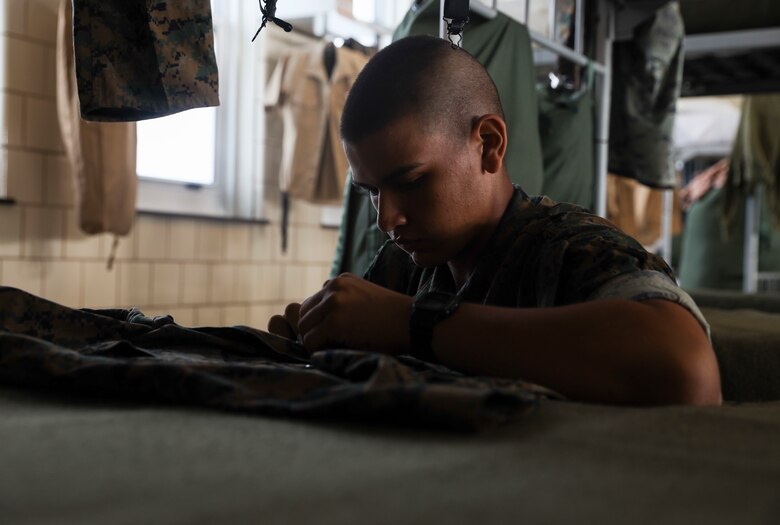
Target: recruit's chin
424,256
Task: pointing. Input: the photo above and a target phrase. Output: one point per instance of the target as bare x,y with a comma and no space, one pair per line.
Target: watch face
434,300
440,302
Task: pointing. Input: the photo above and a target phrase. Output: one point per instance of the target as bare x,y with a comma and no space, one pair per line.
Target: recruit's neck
464,263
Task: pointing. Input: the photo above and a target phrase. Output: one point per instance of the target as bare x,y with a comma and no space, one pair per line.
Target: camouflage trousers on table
123,353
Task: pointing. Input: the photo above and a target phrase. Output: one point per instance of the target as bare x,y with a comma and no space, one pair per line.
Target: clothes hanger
269,13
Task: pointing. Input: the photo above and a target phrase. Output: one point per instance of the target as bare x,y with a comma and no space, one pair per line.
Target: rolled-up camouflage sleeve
645,285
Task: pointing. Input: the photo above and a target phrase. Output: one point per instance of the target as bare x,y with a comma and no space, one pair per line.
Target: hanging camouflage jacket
138,60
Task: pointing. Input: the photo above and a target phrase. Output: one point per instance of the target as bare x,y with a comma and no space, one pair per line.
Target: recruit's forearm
612,351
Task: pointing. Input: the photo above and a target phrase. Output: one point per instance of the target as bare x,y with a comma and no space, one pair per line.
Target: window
208,161
179,148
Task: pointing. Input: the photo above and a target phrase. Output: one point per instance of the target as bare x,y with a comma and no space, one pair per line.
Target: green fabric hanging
647,80
504,47
712,259
755,157
566,132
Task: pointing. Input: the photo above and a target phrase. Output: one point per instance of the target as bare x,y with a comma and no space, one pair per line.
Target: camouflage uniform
647,79
138,60
544,254
122,353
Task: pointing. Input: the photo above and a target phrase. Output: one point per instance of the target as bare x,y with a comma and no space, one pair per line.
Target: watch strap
429,309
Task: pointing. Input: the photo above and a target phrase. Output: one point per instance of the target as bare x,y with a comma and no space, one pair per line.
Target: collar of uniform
441,278
315,65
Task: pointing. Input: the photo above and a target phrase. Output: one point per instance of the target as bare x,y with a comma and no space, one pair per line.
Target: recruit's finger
292,312
278,325
316,339
313,316
311,302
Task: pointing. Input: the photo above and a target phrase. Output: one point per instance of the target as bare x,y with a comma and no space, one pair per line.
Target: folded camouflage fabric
125,354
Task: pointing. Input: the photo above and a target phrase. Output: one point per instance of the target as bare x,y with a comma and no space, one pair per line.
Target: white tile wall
182,239
28,62
10,231
78,244
25,180
182,316
269,284
152,237
13,131
235,315
42,130
100,285
62,282
24,274
260,314
166,283
245,278
42,20
237,242
208,316
13,16
260,238
58,181
134,283
195,284
43,231
210,239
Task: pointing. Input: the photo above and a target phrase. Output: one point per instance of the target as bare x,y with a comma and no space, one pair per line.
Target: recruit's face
425,187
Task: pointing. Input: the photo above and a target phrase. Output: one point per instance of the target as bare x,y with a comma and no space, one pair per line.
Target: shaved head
443,87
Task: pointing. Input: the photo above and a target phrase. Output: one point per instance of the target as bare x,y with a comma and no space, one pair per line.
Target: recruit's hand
350,312
286,325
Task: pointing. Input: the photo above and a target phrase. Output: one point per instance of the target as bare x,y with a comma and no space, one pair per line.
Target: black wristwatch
429,309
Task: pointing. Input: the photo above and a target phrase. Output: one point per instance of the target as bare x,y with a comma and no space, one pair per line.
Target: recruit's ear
490,130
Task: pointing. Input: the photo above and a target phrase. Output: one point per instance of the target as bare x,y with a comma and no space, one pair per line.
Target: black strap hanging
456,12
269,13
285,223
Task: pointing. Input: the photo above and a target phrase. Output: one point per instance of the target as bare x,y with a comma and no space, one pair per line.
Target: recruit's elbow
698,378
687,368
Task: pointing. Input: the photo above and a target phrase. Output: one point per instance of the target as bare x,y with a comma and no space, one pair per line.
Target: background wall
203,272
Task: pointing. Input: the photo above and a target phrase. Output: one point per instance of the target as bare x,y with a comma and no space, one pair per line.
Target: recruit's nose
389,214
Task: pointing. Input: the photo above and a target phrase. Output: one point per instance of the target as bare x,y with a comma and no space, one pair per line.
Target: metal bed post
750,250
442,25
3,154
552,21
606,32
579,34
667,217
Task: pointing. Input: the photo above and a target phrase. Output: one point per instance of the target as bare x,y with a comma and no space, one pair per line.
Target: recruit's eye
410,184
365,190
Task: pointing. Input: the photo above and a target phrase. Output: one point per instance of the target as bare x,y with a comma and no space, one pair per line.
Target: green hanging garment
503,46
647,80
755,157
566,132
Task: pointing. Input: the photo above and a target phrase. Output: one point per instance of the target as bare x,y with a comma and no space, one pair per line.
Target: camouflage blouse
543,254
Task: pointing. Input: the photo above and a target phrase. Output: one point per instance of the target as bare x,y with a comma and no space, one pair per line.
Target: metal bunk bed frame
727,43
602,65
607,28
